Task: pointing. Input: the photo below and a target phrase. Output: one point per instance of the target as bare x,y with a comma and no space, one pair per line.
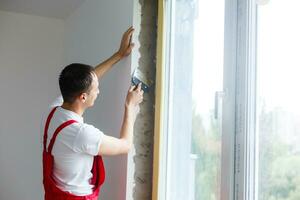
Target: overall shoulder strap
47,126
57,131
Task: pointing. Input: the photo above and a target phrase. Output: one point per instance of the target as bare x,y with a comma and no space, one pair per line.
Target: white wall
31,55
33,50
93,33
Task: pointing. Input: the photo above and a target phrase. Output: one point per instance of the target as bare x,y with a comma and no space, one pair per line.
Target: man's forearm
103,67
127,126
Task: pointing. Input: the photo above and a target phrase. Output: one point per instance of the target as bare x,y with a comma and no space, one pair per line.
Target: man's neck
73,107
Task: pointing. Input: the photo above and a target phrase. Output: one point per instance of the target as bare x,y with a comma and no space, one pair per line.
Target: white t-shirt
74,150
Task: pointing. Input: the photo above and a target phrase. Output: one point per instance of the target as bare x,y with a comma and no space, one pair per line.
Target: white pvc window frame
229,101
239,139
228,126
246,135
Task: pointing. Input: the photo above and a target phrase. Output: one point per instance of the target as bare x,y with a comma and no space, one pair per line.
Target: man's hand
133,99
125,49
126,45
134,96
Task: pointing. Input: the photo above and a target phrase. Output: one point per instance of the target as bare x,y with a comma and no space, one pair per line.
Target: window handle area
218,103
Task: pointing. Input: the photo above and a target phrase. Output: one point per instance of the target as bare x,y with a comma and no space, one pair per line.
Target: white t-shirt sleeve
88,140
57,102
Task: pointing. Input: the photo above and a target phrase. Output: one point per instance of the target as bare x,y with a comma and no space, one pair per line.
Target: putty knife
138,77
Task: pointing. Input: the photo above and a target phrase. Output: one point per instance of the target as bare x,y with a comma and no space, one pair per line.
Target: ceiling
46,8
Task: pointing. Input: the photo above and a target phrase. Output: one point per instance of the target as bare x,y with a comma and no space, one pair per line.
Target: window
230,113
194,121
194,157
278,100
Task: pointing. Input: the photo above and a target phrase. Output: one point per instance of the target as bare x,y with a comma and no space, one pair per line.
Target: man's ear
83,97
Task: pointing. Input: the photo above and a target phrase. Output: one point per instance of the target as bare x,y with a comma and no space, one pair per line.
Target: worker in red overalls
72,149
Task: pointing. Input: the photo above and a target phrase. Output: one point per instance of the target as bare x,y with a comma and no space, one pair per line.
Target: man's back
73,151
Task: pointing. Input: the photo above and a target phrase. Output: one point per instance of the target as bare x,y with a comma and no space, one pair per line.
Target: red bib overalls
52,192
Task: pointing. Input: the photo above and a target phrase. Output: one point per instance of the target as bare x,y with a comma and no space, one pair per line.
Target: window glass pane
196,82
278,110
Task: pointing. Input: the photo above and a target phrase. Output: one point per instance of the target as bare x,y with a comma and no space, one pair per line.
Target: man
72,163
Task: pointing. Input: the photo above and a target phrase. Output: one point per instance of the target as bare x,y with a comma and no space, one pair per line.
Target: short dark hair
75,79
